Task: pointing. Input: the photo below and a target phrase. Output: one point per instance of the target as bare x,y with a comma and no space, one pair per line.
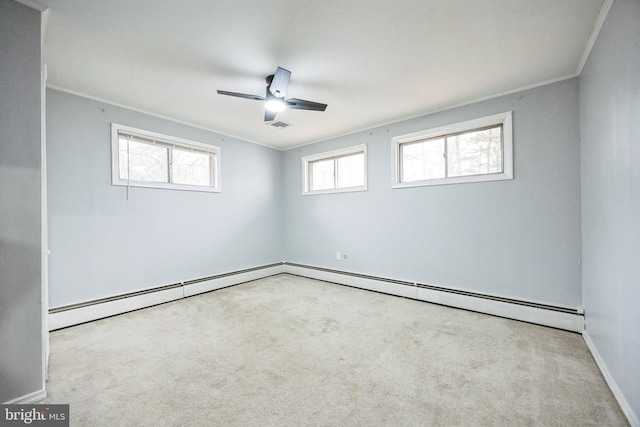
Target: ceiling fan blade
301,104
276,90
280,83
241,95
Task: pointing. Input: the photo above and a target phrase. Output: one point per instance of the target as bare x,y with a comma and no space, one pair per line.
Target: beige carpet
289,351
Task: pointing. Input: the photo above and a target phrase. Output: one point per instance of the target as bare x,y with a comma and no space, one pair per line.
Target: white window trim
168,140
328,155
505,119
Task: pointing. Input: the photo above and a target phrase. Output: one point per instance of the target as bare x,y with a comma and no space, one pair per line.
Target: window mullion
128,167
170,164
445,154
335,172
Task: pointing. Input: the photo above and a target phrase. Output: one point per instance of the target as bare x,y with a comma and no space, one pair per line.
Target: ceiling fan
274,98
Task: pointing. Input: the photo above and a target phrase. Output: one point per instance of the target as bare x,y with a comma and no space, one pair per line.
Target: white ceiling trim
594,34
87,60
222,134
591,42
439,110
149,113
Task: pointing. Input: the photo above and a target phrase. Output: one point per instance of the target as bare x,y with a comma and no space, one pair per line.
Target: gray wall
21,370
517,238
610,132
103,245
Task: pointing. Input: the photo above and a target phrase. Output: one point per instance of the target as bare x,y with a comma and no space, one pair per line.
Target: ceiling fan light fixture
275,105
275,96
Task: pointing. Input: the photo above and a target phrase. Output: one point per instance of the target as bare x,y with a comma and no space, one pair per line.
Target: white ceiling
372,61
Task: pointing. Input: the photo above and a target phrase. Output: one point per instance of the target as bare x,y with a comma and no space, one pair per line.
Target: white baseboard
632,417
484,304
81,313
27,399
539,316
75,316
230,280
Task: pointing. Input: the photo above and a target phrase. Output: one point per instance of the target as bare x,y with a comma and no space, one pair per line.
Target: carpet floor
291,351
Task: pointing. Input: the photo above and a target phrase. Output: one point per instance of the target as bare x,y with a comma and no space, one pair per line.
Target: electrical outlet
338,256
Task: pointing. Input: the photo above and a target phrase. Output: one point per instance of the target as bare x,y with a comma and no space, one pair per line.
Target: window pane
191,168
144,162
351,171
422,160
475,153
322,175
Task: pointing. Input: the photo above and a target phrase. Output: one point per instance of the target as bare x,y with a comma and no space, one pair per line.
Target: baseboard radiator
570,319
86,311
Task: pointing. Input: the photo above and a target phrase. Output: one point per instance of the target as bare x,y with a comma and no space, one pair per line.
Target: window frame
503,119
170,142
334,155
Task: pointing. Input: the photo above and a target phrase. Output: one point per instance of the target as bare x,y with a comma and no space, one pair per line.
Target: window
472,151
146,159
335,171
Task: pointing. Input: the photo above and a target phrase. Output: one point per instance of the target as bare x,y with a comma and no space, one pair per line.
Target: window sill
455,180
335,190
167,186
